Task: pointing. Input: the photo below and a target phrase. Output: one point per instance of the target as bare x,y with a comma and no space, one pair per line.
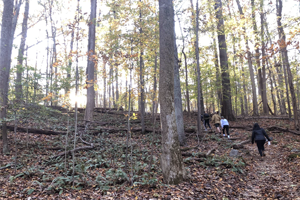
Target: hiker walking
259,135
225,126
206,121
215,120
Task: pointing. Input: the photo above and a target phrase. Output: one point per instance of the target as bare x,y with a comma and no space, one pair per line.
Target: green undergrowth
102,168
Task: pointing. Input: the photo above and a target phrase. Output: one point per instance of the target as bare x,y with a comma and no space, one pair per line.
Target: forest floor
37,168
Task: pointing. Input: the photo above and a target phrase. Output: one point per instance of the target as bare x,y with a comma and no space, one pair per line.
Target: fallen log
275,128
264,117
190,130
189,148
186,154
247,128
74,150
190,160
241,144
109,130
54,148
231,138
36,131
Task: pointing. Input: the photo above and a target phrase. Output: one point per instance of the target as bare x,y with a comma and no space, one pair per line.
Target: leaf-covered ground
34,169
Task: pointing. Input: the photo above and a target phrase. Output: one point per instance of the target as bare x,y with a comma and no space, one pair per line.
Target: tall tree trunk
142,85
263,75
186,71
279,70
237,83
287,88
171,159
109,88
249,56
218,80
198,72
257,54
117,87
244,97
54,55
112,80
279,92
17,7
27,75
96,84
20,69
187,84
104,83
142,101
285,60
5,59
48,71
272,91
226,90
70,57
90,103
177,98
298,87
76,93
154,100
35,81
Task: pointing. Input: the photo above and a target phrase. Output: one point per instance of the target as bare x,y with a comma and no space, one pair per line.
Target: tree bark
171,159
20,69
226,90
285,60
5,59
90,103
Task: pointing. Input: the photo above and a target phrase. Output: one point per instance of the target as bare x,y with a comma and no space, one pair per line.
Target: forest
123,99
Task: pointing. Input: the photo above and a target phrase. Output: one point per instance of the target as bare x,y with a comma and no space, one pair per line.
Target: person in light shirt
225,125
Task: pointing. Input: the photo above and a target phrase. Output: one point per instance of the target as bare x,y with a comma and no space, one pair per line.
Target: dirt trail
269,178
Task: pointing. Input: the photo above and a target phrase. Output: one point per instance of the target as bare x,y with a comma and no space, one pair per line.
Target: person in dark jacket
206,121
259,135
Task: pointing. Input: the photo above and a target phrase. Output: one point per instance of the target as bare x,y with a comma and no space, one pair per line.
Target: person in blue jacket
259,135
225,126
